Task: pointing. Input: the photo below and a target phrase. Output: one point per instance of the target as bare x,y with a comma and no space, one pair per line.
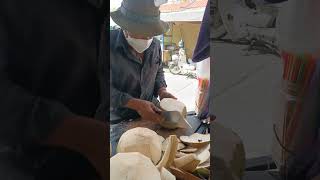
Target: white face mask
140,45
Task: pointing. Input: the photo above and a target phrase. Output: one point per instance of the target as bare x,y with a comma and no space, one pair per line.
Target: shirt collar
121,41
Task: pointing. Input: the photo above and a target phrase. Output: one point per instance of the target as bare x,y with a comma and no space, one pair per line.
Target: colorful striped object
202,102
298,70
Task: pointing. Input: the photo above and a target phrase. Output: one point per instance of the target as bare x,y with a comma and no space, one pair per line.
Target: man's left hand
163,93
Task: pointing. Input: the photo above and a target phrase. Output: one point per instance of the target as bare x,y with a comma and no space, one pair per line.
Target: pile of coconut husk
143,154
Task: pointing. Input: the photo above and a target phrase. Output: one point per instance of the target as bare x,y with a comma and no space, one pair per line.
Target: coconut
132,166
169,104
142,140
174,113
196,140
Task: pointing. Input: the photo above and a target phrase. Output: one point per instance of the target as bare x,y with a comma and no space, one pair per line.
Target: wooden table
118,129
192,119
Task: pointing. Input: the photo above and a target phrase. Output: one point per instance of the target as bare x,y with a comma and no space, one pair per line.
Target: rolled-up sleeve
160,81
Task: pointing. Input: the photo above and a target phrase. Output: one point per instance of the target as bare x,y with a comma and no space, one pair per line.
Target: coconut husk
196,140
183,175
165,144
170,153
187,163
166,175
189,150
180,154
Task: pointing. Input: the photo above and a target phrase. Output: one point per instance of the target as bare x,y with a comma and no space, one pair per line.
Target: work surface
118,129
193,121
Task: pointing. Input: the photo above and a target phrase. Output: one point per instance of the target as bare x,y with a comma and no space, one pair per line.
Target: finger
158,118
156,109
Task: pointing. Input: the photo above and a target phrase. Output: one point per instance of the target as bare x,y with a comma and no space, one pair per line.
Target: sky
114,4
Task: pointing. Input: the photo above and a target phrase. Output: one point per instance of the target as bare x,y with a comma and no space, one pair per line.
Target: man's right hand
147,110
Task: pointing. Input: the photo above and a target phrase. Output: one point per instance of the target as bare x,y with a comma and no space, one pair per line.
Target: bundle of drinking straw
202,102
297,73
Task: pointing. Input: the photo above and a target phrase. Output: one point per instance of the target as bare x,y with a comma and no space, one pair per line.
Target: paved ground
183,88
245,95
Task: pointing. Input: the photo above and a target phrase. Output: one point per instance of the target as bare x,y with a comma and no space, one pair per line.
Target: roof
175,7
189,15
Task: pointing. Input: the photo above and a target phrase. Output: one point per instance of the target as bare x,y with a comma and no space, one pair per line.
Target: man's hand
163,93
86,136
147,110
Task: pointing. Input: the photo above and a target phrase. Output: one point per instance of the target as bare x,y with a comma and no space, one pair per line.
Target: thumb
156,109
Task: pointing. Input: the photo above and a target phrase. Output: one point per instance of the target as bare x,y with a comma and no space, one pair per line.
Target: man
137,76
49,90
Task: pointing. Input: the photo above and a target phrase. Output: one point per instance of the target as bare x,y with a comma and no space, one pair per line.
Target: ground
183,88
245,94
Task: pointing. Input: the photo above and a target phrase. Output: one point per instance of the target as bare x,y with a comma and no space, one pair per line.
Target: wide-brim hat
140,17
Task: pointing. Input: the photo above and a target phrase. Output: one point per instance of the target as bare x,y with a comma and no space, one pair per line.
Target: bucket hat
140,17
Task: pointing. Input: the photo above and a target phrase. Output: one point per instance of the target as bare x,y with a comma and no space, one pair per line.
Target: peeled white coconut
174,113
196,140
142,140
169,104
132,166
